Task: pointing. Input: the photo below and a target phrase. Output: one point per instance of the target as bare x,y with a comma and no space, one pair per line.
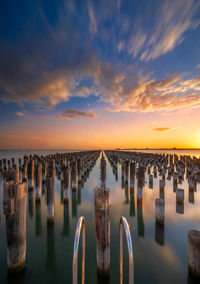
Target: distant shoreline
150,149
118,149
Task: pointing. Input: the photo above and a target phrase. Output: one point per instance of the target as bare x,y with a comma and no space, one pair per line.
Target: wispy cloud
168,30
92,19
162,129
19,113
69,114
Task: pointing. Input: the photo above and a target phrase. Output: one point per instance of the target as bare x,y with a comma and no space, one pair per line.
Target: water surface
160,253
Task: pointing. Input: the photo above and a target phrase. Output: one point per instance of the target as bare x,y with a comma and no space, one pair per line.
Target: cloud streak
19,113
166,34
69,114
161,129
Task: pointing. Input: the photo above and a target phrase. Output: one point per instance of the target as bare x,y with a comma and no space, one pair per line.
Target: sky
99,74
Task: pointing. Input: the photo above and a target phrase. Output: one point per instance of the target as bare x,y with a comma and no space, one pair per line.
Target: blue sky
97,58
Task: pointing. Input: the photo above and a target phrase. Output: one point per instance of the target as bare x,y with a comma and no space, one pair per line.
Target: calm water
160,254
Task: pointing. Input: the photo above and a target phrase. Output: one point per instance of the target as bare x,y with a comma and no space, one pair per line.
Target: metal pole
124,223
80,227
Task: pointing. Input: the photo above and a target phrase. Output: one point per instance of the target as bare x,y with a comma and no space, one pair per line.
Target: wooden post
102,225
79,168
15,211
44,172
74,175
140,219
194,253
66,183
180,195
132,176
162,188
150,181
126,171
50,198
38,181
103,172
31,174
159,210
175,177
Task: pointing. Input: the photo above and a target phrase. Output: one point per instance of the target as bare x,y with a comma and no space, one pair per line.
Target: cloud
19,113
92,19
168,29
63,61
198,66
161,129
147,95
69,114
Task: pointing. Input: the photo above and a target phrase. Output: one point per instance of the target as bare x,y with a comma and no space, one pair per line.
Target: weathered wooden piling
192,184
31,174
102,227
79,169
38,181
160,210
50,198
132,176
162,188
126,171
180,195
15,211
122,171
140,218
155,172
66,183
103,172
175,177
24,172
44,172
191,196
74,175
150,181
194,253
13,175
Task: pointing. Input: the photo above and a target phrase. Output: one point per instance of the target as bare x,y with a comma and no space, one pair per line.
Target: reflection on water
66,220
140,219
51,254
50,244
132,204
191,196
38,219
160,234
31,203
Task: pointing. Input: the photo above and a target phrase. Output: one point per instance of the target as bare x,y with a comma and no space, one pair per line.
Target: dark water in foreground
160,253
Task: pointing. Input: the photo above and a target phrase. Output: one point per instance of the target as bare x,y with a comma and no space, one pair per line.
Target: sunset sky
99,74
